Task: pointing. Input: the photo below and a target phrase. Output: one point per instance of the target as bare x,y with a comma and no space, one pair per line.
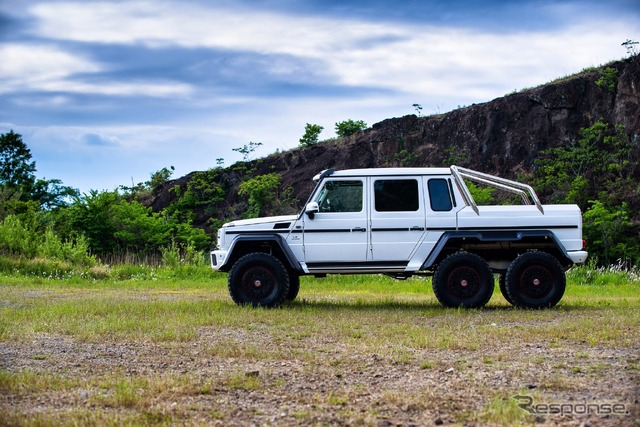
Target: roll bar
525,191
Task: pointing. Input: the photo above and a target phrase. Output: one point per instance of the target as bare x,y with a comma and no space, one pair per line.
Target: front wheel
294,286
464,280
535,280
260,280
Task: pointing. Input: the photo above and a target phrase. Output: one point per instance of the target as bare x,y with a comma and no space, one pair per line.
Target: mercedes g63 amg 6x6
403,222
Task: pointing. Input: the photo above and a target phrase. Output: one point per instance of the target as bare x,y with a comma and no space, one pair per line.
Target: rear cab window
440,197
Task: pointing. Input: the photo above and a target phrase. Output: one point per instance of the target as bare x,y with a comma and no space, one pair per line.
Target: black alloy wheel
260,280
463,279
535,280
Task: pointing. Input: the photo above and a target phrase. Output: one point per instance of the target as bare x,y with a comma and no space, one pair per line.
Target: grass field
158,349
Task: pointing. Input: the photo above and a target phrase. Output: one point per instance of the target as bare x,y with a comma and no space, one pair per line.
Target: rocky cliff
503,137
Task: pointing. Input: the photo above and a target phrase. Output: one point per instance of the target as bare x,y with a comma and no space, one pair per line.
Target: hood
264,220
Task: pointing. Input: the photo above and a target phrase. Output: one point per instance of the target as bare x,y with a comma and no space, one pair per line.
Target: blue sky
107,92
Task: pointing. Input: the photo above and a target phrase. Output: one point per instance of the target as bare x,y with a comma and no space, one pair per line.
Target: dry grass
362,351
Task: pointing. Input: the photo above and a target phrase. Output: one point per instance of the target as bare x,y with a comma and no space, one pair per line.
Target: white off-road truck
403,222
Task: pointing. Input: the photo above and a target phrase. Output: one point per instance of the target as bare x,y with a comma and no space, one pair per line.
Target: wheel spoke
536,281
464,282
257,283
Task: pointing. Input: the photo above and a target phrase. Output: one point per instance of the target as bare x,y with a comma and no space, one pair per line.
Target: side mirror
311,209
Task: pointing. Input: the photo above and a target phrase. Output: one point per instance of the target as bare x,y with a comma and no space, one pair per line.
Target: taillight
584,244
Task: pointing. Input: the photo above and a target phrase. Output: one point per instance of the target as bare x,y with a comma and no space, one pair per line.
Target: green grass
338,328
365,311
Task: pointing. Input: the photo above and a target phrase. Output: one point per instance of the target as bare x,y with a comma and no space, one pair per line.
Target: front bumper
217,259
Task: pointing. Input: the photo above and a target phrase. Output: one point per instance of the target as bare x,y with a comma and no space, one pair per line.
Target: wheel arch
273,244
505,245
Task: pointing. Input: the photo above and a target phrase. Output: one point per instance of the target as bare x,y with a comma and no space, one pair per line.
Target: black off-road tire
503,288
464,280
294,286
535,280
260,280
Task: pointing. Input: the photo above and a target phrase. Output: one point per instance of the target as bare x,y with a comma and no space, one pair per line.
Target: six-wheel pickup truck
403,222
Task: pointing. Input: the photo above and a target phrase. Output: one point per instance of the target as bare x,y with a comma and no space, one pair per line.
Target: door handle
359,229
416,228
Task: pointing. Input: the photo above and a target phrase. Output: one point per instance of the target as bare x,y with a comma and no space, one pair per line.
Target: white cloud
424,59
32,67
436,66
28,64
117,88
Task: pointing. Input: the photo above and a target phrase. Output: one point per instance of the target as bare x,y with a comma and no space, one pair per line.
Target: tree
92,216
247,150
599,173
262,191
608,232
349,127
311,134
630,45
16,168
604,158
18,183
50,193
112,224
159,178
204,190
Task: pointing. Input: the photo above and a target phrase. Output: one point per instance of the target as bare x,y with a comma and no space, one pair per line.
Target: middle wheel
464,280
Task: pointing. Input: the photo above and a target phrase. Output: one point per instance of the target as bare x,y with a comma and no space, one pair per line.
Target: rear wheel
503,288
258,279
535,280
463,279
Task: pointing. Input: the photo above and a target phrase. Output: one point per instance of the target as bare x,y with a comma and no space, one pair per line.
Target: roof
386,172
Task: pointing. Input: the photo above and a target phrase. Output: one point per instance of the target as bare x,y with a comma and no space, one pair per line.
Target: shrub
311,135
349,127
482,195
74,251
608,79
607,230
16,239
261,191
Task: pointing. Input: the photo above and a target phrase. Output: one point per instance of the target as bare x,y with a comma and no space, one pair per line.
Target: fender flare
494,236
290,260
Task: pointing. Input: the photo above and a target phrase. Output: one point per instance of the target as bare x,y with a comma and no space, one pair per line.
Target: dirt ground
580,386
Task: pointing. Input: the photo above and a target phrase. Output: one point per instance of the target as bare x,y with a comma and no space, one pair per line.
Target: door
397,218
441,208
338,232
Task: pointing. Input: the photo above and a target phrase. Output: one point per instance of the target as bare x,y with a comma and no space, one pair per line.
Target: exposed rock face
503,136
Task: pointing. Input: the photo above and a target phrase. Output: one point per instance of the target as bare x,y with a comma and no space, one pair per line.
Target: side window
397,195
340,196
439,195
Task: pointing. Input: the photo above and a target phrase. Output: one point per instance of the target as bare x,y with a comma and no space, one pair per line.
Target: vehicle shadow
390,304
396,304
